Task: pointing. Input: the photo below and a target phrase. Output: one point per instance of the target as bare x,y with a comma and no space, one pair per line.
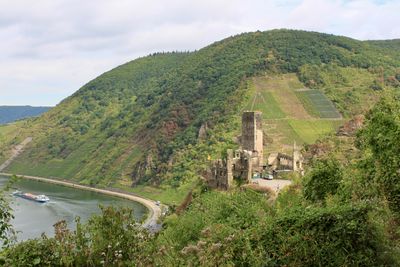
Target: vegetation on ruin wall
344,212
137,122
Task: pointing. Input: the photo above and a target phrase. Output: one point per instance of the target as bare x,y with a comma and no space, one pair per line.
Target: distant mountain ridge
12,113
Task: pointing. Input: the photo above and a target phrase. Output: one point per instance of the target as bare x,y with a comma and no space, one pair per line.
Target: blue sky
50,48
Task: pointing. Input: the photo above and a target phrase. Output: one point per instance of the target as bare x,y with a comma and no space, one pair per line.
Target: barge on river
29,196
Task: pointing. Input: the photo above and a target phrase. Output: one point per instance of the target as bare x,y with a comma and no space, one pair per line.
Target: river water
32,218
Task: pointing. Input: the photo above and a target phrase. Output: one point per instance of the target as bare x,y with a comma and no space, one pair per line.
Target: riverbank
150,223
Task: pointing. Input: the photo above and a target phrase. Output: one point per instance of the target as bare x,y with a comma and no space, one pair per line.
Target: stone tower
252,133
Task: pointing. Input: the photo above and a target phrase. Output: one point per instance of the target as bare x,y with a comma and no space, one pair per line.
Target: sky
50,48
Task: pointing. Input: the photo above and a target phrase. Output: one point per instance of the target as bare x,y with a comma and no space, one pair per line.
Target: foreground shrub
210,221
7,232
110,239
244,230
324,179
379,140
323,236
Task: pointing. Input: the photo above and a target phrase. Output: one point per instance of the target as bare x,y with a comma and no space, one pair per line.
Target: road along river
32,218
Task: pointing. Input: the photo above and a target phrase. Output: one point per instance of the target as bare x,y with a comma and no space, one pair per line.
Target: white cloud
52,47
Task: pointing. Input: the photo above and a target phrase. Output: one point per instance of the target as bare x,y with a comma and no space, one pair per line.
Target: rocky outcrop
142,168
203,131
350,128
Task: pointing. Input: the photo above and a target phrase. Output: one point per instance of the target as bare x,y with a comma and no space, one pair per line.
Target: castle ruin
247,162
279,161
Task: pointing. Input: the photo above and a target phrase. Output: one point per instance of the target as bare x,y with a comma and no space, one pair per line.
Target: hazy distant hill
13,113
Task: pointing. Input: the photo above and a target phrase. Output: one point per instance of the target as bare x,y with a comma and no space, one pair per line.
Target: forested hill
389,44
13,113
139,122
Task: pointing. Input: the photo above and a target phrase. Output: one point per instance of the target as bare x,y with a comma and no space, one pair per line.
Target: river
32,218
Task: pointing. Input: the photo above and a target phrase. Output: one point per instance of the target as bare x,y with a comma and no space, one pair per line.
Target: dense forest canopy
393,44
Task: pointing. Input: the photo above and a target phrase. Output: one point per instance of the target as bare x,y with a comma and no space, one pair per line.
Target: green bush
323,236
243,229
7,233
110,239
379,140
323,179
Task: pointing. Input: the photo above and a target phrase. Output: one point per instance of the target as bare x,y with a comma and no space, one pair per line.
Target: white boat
29,196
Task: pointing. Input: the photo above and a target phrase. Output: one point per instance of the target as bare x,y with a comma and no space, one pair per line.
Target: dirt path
275,184
16,151
151,222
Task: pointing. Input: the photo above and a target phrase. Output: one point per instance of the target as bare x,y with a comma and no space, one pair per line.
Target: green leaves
7,233
323,179
380,141
110,239
36,261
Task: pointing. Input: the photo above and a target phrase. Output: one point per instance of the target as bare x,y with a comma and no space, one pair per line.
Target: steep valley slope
139,123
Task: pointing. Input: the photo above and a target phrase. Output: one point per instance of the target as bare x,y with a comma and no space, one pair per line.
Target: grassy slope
286,117
139,122
349,88
317,104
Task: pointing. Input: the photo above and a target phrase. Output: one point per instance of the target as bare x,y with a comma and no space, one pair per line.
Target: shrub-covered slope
343,212
140,121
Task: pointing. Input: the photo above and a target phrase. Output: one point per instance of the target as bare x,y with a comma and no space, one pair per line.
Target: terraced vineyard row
317,104
291,112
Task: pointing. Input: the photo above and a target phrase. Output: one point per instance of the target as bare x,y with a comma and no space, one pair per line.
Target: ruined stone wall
218,175
297,159
242,163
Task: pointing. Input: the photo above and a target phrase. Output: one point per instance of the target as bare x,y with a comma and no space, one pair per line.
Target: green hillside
138,123
8,135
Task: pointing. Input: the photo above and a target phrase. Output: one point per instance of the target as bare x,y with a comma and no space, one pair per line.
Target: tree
6,229
324,179
381,144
